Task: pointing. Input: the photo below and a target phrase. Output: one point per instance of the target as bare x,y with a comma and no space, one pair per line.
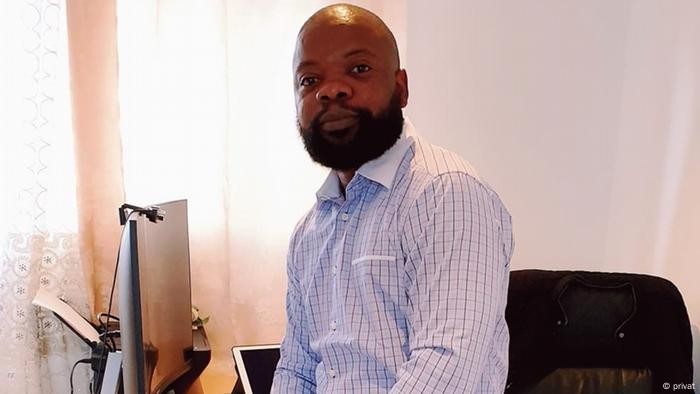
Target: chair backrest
580,332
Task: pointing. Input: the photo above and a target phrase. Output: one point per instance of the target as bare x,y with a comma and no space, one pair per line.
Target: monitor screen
155,301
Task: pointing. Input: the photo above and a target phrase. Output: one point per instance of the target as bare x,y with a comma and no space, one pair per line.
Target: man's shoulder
305,222
438,176
437,161
316,217
432,164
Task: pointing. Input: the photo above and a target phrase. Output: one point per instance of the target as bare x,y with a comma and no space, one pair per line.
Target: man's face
349,93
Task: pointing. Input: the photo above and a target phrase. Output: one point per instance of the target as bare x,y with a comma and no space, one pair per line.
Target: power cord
105,329
72,371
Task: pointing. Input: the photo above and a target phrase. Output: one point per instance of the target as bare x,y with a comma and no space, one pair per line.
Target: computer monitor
155,301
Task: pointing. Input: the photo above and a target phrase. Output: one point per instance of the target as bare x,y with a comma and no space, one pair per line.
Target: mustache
336,112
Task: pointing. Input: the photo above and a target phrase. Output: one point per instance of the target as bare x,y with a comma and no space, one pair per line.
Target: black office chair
592,332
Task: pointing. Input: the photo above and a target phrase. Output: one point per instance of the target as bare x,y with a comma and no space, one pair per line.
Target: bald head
350,15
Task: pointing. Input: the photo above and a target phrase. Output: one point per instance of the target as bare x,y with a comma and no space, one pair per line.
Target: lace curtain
38,217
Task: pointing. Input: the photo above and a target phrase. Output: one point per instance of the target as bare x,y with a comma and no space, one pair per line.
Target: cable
116,268
104,314
82,361
110,335
105,329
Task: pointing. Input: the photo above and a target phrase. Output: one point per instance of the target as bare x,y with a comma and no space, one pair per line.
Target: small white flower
195,314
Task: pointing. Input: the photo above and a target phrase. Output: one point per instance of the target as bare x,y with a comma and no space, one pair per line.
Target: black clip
153,213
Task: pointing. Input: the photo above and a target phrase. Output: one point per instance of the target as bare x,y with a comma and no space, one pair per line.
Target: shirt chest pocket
378,280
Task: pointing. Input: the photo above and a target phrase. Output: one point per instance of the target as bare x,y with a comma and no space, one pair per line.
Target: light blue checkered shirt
399,285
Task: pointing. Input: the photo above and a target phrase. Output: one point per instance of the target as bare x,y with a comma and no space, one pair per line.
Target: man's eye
361,68
307,81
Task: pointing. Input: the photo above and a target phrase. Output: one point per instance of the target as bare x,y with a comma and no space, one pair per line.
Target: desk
200,357
214,381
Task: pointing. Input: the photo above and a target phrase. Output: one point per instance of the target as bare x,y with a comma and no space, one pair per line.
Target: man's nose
334,90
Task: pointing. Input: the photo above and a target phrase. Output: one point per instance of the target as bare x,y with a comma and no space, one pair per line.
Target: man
399,273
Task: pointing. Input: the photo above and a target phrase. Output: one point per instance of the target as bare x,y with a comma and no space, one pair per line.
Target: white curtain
38,219
207,114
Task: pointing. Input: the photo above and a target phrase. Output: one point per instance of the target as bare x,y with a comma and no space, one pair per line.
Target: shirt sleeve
296,369
458,244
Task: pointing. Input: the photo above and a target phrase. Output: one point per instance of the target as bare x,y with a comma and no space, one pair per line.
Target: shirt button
335,269
333,325
344,217
331,373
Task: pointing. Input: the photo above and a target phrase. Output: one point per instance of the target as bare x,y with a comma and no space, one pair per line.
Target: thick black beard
374,136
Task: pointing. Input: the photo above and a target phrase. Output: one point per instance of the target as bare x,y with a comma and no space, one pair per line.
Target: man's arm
458,238
296,370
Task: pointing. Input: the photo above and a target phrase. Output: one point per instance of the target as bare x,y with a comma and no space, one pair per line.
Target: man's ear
402,86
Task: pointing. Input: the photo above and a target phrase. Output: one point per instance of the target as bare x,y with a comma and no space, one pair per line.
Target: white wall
582,115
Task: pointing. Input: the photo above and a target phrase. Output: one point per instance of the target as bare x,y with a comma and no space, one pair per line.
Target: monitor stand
199,358
112,379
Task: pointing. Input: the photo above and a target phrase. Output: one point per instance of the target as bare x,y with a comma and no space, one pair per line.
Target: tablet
256,366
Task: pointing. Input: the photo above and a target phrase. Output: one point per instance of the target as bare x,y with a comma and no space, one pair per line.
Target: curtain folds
98,150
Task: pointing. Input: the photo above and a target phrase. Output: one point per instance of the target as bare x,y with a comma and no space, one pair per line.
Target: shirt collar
381,170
